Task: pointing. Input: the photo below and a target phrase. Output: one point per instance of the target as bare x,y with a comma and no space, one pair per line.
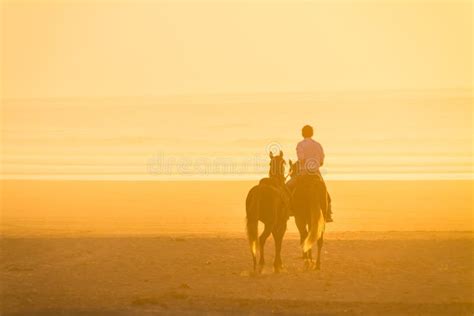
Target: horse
308,198
268,204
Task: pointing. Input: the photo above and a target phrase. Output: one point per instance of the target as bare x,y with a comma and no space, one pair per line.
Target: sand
362,274
92,208
141,248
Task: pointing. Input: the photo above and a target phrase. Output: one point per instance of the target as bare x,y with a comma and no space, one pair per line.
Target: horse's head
294,168
277,166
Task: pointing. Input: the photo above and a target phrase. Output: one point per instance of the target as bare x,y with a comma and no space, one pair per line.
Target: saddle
282,191
309,187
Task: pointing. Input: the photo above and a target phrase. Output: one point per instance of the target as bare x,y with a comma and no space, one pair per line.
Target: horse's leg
320,245
301,224
263,237
309,254
252,229
278,237
309,262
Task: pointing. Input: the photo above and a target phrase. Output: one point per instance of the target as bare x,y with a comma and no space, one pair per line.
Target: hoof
311,265
277,269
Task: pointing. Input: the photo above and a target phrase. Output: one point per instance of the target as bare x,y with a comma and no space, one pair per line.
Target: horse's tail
317,221
316,231
253,209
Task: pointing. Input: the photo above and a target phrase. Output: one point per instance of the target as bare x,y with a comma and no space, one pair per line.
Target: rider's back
312,153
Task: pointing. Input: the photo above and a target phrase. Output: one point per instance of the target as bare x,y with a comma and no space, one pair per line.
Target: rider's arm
322,157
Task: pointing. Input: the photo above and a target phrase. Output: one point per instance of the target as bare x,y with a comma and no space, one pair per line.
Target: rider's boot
329,218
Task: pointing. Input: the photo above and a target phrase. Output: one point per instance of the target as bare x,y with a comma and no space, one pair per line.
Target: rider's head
307,131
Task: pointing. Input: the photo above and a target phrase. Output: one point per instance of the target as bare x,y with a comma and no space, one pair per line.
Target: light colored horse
309,197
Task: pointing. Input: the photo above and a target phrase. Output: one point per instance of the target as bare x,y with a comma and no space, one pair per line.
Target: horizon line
237,178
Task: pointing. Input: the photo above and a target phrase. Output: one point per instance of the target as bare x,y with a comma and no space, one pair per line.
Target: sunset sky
108,88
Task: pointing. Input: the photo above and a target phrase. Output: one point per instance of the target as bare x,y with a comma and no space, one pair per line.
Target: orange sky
142,48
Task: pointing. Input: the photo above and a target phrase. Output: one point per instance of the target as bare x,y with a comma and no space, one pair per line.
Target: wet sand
105,208
362,273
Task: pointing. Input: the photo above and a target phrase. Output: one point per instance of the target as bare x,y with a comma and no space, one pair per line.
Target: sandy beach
134,248
362,274
123,208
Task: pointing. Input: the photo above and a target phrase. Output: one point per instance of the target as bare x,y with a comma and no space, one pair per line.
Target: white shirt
311,154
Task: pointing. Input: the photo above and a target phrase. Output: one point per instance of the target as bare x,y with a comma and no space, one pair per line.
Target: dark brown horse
267,203
309,197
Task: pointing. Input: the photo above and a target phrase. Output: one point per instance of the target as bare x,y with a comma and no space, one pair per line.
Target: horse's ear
271,154
281,153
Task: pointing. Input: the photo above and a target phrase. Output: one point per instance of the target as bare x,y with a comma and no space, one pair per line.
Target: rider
310,157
